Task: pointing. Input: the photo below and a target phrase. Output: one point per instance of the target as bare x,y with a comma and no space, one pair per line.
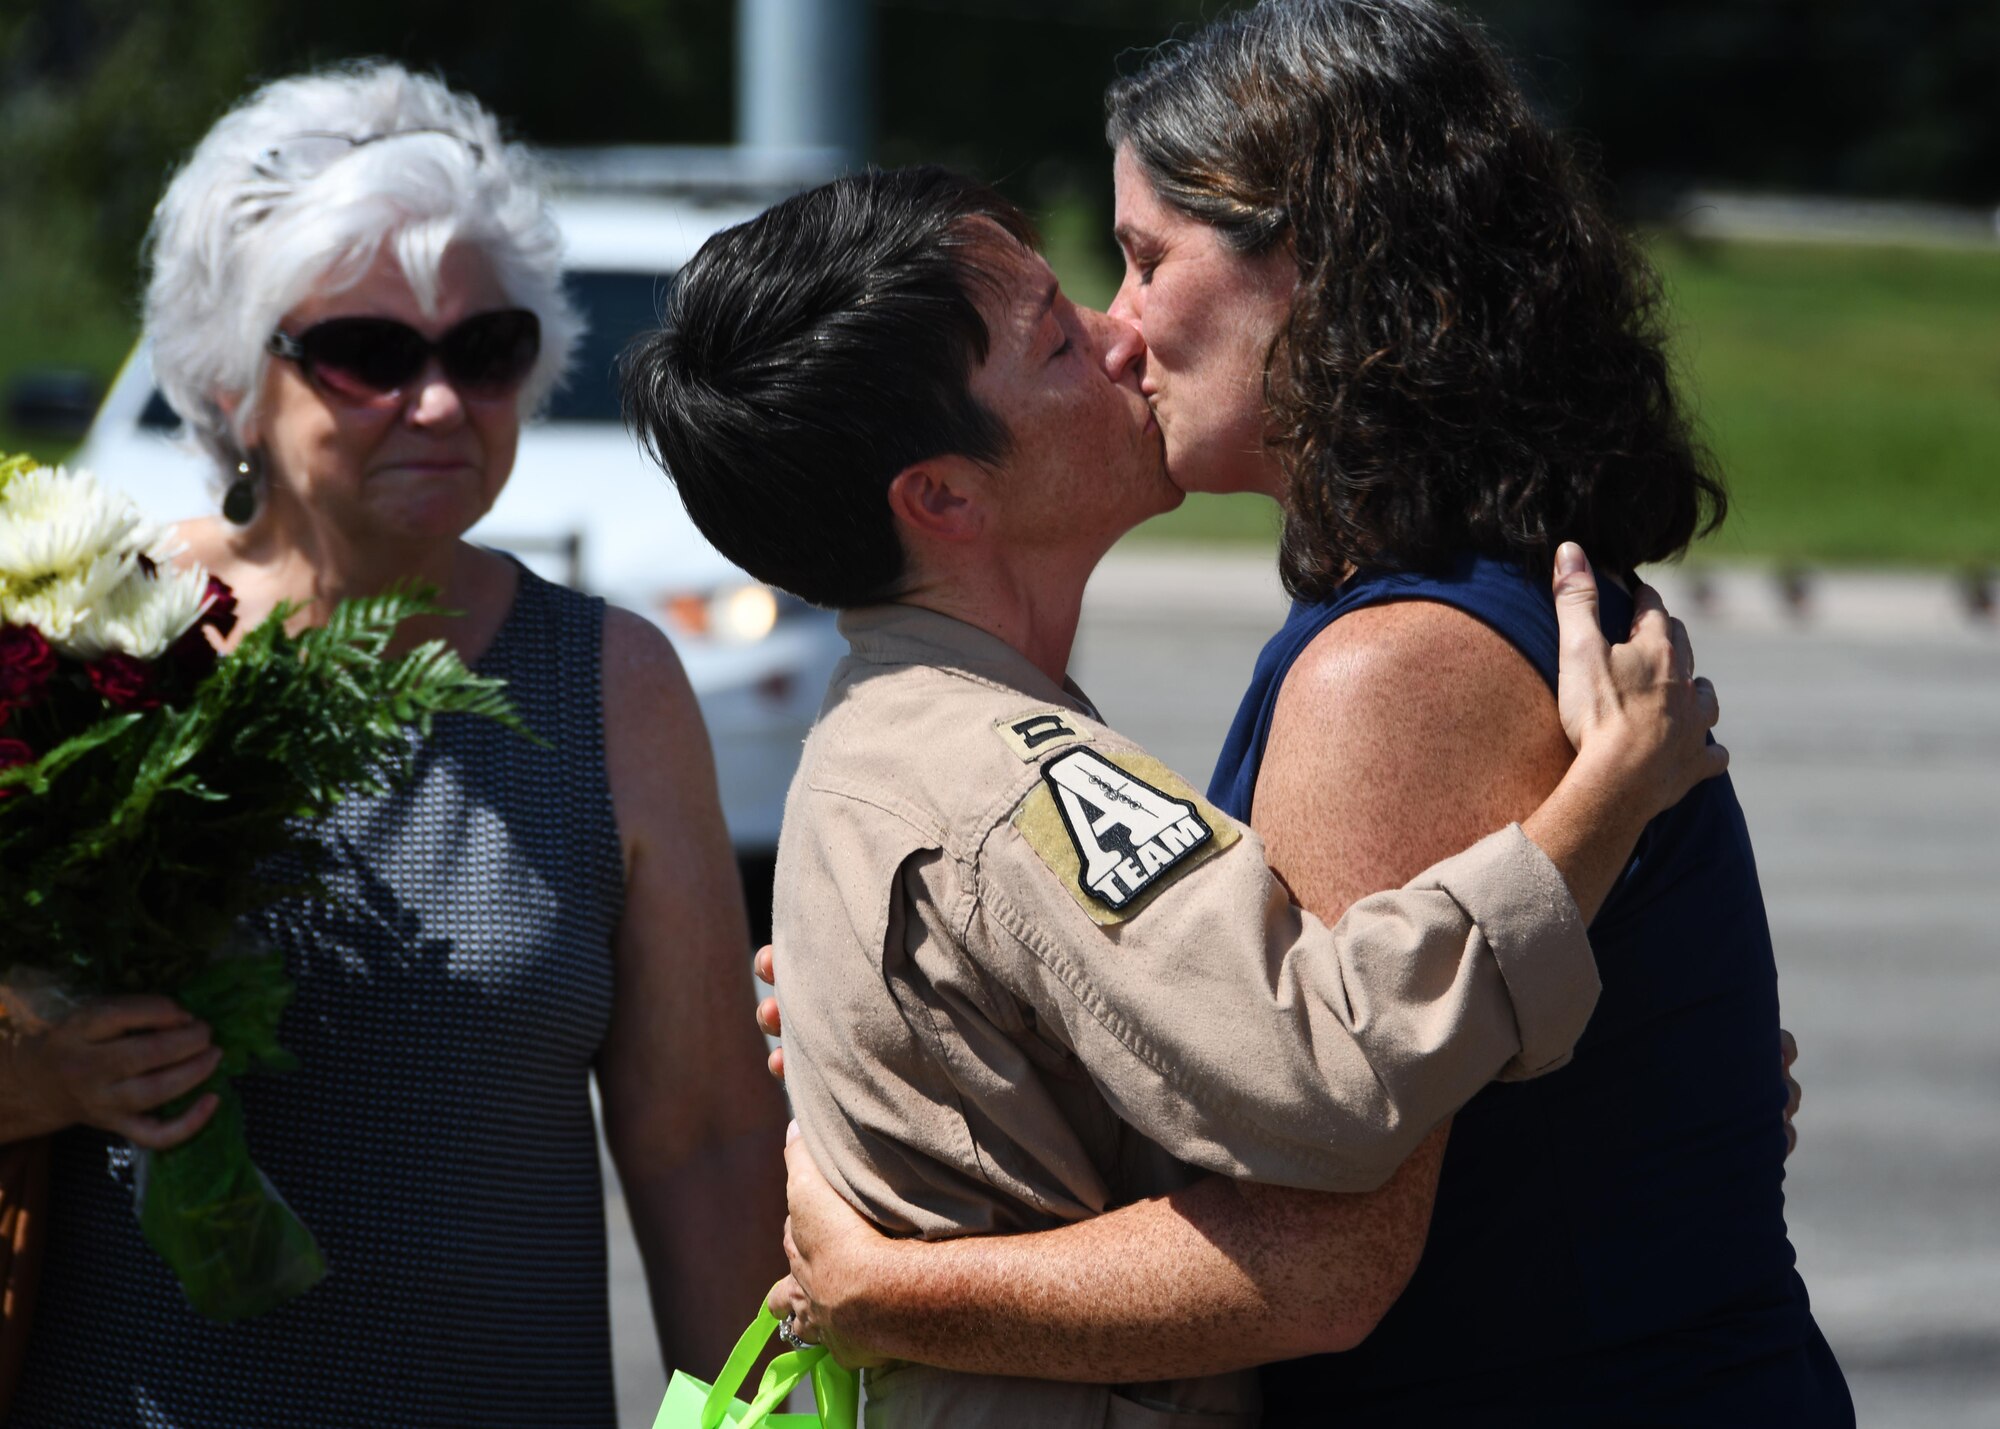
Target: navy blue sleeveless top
1609,1241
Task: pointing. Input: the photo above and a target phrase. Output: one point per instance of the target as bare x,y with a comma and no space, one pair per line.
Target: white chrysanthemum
58,523
165,545
57,605
140,616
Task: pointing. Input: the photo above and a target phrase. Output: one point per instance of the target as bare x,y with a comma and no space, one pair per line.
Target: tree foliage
98,98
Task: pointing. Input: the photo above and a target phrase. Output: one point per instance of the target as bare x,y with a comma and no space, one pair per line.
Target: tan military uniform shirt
1020,959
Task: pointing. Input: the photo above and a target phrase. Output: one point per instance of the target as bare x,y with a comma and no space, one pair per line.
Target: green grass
1851,396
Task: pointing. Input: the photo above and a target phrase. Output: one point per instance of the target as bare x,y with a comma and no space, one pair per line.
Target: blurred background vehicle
584,506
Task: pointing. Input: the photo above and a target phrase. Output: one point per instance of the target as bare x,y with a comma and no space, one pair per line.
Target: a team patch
1118,828
1038,733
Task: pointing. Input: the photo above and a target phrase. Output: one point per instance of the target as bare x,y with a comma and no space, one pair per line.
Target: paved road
1868,760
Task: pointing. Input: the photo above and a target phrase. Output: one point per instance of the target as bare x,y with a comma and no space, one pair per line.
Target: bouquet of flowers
148,786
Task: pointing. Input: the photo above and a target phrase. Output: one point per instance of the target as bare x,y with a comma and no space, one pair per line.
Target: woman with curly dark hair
1374,286
1467,370
1469,357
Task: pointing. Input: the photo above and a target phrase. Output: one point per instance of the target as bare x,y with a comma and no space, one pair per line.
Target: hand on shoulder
1635,711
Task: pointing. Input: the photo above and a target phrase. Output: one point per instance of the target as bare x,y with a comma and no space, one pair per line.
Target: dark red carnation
26,662
125,683
221,613
12,753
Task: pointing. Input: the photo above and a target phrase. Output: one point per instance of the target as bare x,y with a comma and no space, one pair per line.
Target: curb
1242,582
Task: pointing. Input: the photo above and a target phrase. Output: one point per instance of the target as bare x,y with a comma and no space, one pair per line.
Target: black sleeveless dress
438,1137
1609,1242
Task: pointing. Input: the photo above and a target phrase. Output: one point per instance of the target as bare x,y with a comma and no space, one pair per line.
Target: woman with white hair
355,298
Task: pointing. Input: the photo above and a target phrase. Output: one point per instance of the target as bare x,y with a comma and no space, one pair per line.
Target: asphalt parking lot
1866,750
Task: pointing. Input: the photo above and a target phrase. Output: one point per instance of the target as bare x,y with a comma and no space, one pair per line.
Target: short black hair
808,356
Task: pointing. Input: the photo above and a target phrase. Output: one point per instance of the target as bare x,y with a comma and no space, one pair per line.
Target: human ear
941,499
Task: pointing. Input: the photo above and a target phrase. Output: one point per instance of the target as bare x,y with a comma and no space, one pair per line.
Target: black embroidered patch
1038,730
1035,733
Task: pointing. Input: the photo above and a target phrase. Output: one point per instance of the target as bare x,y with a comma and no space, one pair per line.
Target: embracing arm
1224,1275
1219,1276
1360,791
692,1122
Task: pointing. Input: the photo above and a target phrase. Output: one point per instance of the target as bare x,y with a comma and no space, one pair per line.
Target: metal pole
803,79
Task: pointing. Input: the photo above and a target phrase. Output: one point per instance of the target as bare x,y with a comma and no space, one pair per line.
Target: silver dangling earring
239,502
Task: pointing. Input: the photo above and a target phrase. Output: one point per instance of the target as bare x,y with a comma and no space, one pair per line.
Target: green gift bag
690,1404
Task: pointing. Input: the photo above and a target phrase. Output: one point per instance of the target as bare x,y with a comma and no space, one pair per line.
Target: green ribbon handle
837,1393
833,1386
781,1376
737,1368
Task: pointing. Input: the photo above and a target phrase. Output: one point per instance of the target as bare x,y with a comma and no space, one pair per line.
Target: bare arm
692,1122
1404,731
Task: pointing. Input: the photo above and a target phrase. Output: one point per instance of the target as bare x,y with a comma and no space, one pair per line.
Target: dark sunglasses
366,359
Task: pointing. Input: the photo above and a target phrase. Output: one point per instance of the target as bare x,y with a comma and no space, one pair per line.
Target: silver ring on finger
790,1336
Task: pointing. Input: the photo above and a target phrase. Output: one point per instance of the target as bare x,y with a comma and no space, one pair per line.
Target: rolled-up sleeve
1530,922
1247,1037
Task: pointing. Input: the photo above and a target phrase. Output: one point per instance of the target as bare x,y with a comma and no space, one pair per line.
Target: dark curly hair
1475,359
